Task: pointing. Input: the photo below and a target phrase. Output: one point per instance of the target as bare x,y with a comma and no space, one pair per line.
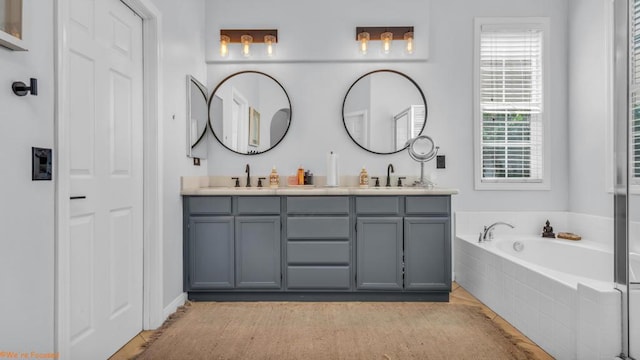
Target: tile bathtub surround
568,322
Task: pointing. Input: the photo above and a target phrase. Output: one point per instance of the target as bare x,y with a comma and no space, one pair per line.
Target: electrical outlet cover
440,162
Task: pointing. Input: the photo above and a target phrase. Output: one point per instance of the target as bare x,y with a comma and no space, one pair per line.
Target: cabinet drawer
318,252
209,204
318,228
378,205
318,277
427,205
318,205
258,205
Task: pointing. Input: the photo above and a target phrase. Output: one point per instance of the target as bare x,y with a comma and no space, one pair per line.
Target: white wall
590,158
26,207
183,53
317,89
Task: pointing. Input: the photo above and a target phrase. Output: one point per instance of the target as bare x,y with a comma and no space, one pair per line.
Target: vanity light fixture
386,34
246,38
224,45
270,42
386,38
408,38
363,40
246,41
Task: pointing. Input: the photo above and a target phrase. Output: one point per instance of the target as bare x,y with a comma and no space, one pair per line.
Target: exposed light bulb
224,45
246,41
408,38
363,40
270,41
386,38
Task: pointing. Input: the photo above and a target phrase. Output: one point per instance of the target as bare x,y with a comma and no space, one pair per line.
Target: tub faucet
248,171
389,169
487,234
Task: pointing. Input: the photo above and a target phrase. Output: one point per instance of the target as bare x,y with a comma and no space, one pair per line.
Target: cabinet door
379,253
258,252
211,252
427,253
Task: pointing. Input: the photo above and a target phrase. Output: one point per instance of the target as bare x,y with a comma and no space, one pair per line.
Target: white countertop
316,191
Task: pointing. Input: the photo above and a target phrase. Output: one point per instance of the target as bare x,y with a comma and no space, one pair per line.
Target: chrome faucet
248,171
487,234
389,168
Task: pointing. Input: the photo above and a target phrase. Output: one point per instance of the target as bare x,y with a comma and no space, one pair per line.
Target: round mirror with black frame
249,112
197,119
382,110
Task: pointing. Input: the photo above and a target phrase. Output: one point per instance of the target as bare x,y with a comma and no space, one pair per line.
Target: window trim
512,184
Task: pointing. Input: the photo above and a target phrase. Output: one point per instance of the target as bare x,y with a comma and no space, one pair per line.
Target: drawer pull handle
77,197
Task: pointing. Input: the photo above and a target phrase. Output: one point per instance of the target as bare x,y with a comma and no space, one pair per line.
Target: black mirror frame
229,77
424,100
202,91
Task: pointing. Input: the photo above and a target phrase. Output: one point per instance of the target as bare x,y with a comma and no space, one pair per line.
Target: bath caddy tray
301,186
569,236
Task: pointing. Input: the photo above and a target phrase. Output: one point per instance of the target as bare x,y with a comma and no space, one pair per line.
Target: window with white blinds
510,104
634,103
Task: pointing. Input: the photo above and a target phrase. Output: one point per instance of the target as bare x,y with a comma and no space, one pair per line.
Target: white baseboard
173,306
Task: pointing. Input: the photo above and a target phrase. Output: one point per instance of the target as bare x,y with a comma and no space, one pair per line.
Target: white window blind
511,103
634,103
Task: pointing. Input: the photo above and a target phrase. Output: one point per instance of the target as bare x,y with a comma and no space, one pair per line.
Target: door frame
152,306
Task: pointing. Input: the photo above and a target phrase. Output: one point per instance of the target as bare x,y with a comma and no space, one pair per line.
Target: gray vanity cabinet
427,252
356,247
233,243
257,248
318,243
403,243
379,253
211,257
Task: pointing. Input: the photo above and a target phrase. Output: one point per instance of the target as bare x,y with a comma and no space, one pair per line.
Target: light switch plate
41,164
440,162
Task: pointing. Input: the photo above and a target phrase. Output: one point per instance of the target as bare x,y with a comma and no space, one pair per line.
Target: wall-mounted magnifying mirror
196,118
382,110
249,112
422,149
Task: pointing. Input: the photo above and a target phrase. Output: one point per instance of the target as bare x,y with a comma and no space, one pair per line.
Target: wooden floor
458,296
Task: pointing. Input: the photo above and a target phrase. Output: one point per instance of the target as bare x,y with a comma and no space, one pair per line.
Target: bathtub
559,293
568,261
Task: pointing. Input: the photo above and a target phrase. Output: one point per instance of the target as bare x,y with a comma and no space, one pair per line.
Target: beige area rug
330,330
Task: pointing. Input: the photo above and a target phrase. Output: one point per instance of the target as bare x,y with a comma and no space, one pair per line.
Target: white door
103,88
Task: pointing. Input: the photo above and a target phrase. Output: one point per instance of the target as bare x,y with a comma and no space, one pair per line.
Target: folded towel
569,236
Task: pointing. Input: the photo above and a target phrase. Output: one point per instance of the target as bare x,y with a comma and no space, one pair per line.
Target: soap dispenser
274,178
364,178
